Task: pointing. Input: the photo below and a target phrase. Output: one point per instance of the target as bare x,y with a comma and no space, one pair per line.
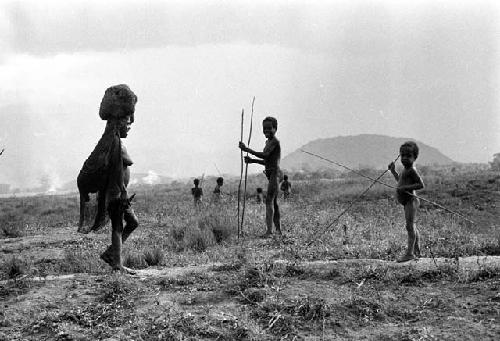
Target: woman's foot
417,249
105,256
266,235
406,257
124,270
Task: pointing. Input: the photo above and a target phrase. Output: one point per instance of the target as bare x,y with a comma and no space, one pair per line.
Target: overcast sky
421,69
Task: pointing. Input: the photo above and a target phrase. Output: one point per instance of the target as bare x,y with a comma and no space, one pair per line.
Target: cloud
321,68
354,27
45,28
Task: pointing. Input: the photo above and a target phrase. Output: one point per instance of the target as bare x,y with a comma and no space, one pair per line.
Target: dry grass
253,298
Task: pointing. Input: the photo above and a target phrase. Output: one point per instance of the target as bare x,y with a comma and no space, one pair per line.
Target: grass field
199,281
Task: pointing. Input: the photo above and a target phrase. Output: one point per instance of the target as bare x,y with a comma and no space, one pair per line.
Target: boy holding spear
408,182
270,158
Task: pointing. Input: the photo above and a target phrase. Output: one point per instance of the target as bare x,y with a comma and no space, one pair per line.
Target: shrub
12,229
15,267
198,239
178,233
220,225
77,261
153,257
135,260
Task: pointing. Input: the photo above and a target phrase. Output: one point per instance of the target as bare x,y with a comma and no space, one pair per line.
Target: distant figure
217,194
270,158
197,193
286,187
106,171
408,182
259,198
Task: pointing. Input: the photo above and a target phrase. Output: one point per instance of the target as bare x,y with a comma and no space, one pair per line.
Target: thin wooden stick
241,172
246,170
217,168
390,186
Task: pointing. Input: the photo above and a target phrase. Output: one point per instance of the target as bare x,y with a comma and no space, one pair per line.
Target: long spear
241,172
390,186
334,221
246,169
217,168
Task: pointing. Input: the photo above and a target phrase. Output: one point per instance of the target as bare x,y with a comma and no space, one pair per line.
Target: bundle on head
118,102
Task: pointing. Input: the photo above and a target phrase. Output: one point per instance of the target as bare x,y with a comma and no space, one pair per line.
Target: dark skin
197,198
118,200
408,182
269,157
123,131
116,189
266,158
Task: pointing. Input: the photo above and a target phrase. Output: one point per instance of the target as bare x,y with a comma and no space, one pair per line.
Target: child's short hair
196,181
220,180
412,145
285,177
273,121
259,190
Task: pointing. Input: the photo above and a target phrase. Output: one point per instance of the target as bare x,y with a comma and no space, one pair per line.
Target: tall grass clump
134,260
198,239
221,225
154,257
11,227
204,230
12,230
14,267
77,260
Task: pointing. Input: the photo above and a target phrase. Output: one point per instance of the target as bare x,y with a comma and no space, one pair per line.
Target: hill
360,151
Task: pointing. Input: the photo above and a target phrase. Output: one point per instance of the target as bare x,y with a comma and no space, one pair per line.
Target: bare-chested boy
217,193
259,196
285,187
197,192
270,158
408,182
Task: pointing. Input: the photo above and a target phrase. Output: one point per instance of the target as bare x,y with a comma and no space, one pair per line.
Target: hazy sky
421,69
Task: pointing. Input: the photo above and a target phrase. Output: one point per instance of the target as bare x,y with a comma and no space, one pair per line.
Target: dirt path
47,246
314,268
471,263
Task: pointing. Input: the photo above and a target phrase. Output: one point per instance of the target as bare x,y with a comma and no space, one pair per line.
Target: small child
270,158
286,187
197,192
408,182
217,190
259,197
